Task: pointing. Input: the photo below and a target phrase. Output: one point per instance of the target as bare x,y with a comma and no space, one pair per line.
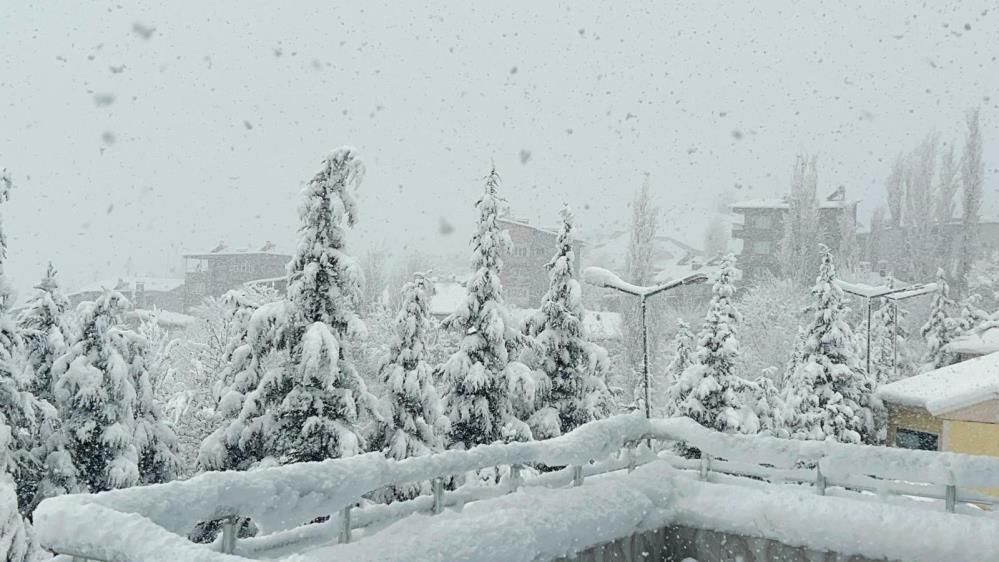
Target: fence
151,523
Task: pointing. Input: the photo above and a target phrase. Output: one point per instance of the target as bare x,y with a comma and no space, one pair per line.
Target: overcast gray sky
201,122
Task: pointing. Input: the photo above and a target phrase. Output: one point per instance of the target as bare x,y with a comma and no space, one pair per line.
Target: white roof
781,203
981,343
156,284
949,388
165,318
447,297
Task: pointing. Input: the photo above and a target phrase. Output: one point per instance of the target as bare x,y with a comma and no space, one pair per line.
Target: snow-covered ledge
150,523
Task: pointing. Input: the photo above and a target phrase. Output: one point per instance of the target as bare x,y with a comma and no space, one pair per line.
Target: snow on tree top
948,388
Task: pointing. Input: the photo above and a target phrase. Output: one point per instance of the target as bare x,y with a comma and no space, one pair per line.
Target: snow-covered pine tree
47,331
154,440
829,396
95,394
683,357
16,420
940,328
574,367
17,542
45,328
481,372
414,423
258,329
710,391
307,408
767,406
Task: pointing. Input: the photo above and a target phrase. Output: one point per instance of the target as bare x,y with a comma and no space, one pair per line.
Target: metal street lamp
871,292
600,277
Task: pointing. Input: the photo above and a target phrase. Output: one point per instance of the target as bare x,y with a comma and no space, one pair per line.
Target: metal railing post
820,480
705,465
437,485
577,476
345,525
950,499
229,535
515,478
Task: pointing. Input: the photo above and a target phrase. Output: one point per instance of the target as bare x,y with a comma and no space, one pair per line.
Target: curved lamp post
600,277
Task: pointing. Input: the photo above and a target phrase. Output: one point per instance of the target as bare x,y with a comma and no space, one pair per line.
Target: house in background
141,292
524,276
213,273
954,408
762,229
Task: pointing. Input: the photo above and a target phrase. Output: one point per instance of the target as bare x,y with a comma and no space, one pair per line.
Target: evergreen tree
639,267
683,358
573,366
17,542
710,391
767,407
829,395
257,329
45,328
940,328
306,407
414,422
17,421
154,440
95,393
481,371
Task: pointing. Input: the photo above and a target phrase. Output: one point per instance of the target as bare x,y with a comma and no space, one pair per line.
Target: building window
520,251
763,222
539,252
762,247
912,439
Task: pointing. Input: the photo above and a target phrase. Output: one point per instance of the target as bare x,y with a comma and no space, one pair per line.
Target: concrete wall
674,544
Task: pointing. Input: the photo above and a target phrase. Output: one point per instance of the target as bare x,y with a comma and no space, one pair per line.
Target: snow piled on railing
149,523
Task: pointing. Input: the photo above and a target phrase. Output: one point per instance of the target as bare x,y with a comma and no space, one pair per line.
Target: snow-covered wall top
149,523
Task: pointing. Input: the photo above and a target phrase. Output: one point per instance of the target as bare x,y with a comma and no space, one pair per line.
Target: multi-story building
141,292
524,276
762,229
212,274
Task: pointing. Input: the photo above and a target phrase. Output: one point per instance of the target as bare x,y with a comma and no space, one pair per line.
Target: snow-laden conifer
941,327
683,357
413,421
306,407
95,393
481,373
828,397
45,328
573,366
709,391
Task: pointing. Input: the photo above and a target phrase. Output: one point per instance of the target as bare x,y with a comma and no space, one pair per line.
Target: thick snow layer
447,297
948,388
782,203
601,277
541,524
597,325
147,523
977,343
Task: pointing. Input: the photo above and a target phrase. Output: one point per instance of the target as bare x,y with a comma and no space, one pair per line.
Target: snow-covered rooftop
223,249
978,343
781,203
156,284
448,295
949,388
164,318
